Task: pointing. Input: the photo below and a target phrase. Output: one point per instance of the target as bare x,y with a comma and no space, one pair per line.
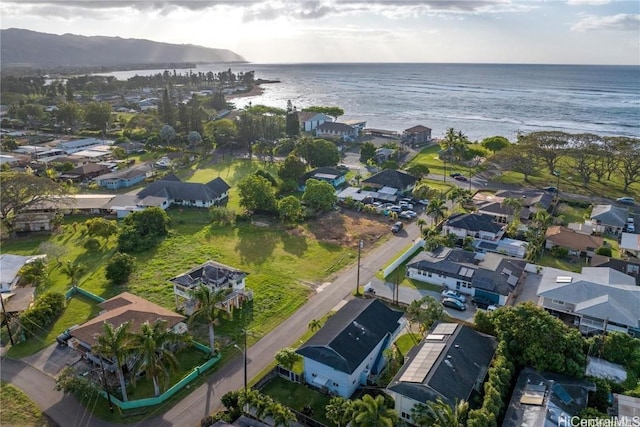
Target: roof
630,241
610,215
87,169
474,222
171,187
491,272
336,127
323,173
351,334
19,299
123,308
543,399
418,128
391,178
126,173
630,267
598,292
304,116
528,197
10,266
567,238
449,363
209,273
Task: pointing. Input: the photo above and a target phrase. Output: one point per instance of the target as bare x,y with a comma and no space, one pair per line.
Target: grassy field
406,342
18,410
428,157
572,213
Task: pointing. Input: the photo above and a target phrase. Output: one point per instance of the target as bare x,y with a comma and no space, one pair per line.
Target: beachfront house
348,350
416,136
334,130
310,120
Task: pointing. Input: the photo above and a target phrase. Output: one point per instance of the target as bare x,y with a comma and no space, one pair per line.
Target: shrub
559,252
34,272
42,313
604,251
119,268
92,245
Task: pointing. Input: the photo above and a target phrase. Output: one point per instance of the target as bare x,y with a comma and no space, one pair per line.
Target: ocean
481,100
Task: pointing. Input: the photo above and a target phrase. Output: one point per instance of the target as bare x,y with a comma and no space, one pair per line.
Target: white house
490,276
10,266
450,364
310,120
349,347
598,299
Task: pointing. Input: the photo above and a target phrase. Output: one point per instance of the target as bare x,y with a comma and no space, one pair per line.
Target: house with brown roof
120,309
416,136
578,244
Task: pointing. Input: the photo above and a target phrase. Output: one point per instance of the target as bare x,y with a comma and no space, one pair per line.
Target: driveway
53,359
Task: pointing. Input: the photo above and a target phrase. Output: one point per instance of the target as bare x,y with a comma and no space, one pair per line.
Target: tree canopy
319,195
257,194
143,229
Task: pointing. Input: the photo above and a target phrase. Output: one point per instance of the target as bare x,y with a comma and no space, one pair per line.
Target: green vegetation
297,396
406,342
18,409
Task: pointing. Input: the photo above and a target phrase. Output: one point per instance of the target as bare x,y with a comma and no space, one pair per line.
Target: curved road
66,411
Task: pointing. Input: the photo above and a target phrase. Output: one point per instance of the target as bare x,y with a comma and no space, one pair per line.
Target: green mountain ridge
26,47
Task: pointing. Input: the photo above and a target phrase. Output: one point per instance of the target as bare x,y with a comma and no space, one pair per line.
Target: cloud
265,9
621,22
587,2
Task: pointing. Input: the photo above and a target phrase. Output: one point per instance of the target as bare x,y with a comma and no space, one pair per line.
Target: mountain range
26,47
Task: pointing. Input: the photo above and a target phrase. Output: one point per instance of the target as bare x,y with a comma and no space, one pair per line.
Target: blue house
334,176
348,349
124,178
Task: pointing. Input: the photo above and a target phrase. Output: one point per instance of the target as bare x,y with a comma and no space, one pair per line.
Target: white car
410,214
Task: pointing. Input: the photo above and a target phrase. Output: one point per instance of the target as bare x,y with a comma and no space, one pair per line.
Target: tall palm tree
72,270
515,205
207,300
115,343
339,410
370,412
282,416
421,224
314,325
154,348
458,195
437,209
440,414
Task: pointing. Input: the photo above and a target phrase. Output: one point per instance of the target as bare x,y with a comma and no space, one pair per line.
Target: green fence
75,290
151,401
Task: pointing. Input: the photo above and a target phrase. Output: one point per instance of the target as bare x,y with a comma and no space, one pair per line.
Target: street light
244,351
360,244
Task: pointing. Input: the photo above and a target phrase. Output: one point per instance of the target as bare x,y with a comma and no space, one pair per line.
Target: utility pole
6,319
360,244
106,385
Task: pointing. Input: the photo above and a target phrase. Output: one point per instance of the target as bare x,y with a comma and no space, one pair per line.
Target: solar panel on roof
562,394
422,363
445,329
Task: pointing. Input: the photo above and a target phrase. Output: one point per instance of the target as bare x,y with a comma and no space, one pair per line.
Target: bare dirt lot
346,228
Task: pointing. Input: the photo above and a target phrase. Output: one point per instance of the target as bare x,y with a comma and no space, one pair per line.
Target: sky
299,31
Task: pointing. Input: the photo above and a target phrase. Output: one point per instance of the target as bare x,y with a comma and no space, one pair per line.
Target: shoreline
256,90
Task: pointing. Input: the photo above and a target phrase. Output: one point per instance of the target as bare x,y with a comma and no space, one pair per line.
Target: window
429,274
557,302
405,416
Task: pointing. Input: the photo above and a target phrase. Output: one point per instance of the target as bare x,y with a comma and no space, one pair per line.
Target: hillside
27,47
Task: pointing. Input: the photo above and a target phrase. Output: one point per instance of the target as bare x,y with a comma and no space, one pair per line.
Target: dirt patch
345,228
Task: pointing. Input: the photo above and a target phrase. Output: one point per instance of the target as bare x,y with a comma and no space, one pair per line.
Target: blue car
626,200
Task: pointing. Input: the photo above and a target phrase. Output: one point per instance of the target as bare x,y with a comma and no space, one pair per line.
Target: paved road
66,411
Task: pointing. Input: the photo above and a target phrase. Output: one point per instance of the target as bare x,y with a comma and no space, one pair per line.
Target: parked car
397,227
461,178
626,200
482,302
454,303
65,335
410,214
454,174
550,189
423,202
405,205
395,208
450,293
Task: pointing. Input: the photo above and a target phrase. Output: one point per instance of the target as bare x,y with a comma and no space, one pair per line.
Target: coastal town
170,259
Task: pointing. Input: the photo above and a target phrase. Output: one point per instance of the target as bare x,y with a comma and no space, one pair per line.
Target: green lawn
572,213
548,260
297,396
18,410
428,156
407,341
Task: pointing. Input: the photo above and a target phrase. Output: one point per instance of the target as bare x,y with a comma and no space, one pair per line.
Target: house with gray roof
348,349
334,176
450,363
488,276
416,136
613,218
596,300
402,182
545,399
124,178
478,226
215,276
310,120
10,266
337,130
181,193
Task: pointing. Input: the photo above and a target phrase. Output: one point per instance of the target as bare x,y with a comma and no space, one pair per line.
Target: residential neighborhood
166,269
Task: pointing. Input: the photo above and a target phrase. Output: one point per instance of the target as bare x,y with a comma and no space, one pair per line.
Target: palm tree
72,270
339,410
436,208
370,412
421,223
115,343
154,345
515,205
282,416
440,414
314,325
207,300
458,195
